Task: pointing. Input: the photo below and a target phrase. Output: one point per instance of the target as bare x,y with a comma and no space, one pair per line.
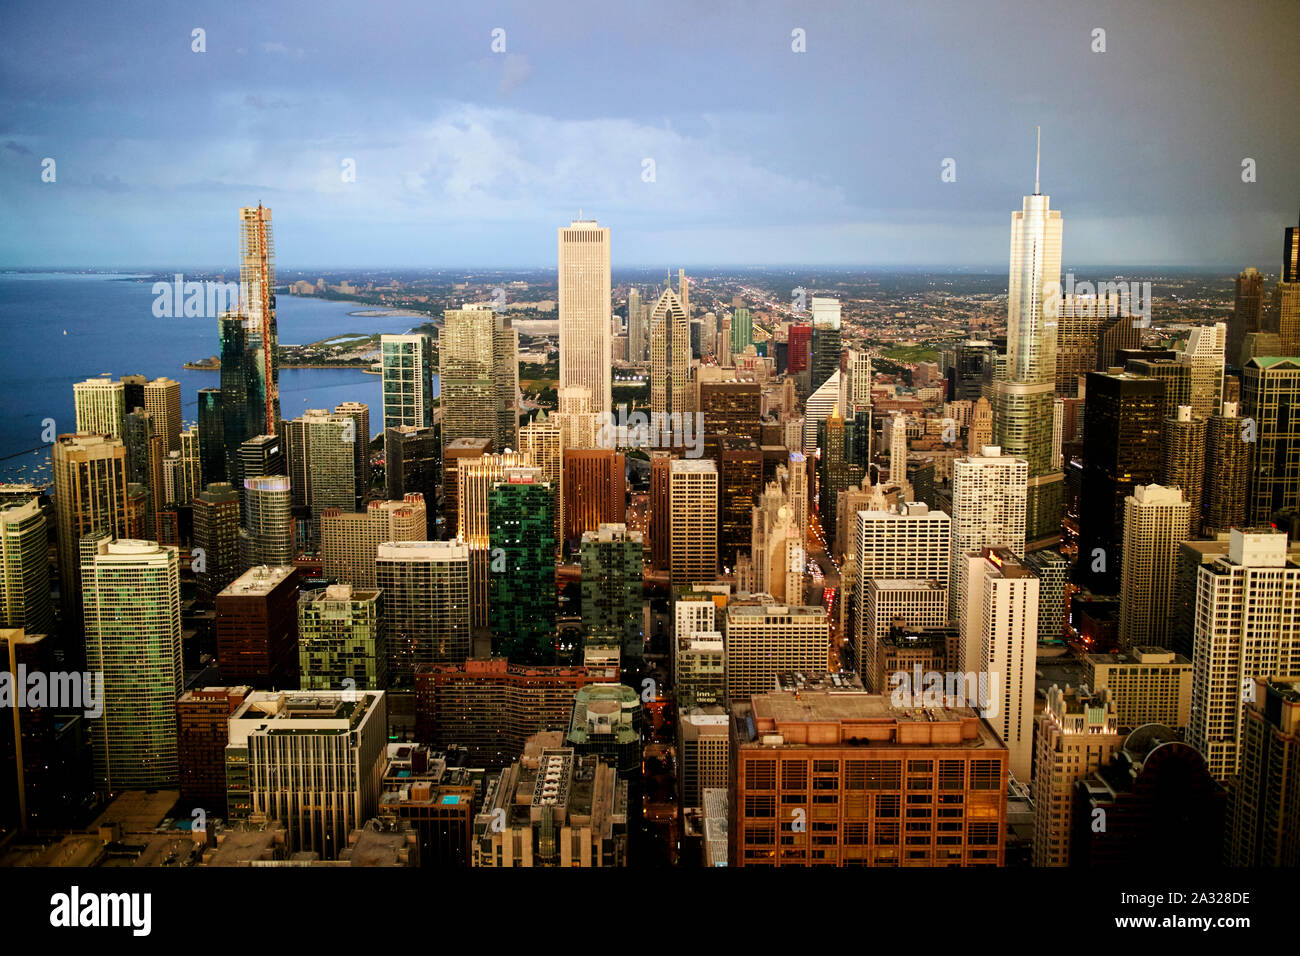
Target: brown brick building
203,730
836,778
595,490
257,628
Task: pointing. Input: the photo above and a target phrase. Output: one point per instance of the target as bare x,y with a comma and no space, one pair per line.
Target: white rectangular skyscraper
585,311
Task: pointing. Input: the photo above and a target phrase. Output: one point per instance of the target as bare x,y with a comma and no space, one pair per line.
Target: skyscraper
257,627
1183,441
670,355
425,587
475,479
132,594
25,569
543,439
1247,313
212,435
636,327
1247,627
693,519
162,399
742,330
999,635
341,638
322,461
1022,401
1270,396
89,496
1263,806
1121,451
1155,521
825,359
267,533
101,406
585,311
216,539
1227,473
1204,355
359,412
1285,313
349,541
611,588
522,570
765,640
477,376
595,490
988,511
406,364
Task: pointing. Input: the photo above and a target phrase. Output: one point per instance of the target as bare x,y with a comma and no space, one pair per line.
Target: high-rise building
475,478
359,412
1053,571
765,640
349,541
1204,356
1263,806
742,330
1148,685
266,536
491,707
478,376
1183,441
1247,313
740,485
412,463
521,536
999,634
660,510
341,639
1227,472
988,511
825,340
1077,735
799,348
25,568
90,496
162,399
814,738
817,409
406,364
425,587
1247,627
202,733
636,327
670,355
585,311
553,807
258,457
216,537
100,406
1022,399
612,559
606,721
212,436
693,519
1270,394
132,595
595,490
1155,521
322,461
543,440
703,746
1121,451
279,741
250,369
883,605
257,627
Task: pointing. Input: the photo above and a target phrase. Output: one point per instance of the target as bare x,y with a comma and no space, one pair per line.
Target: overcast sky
761,155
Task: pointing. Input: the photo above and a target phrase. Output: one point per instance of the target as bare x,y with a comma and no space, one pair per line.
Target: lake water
110,327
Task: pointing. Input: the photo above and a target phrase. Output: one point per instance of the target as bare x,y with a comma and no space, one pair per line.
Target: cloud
19,148
515,72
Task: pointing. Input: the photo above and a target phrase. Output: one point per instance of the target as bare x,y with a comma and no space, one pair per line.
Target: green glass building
611,589
521,568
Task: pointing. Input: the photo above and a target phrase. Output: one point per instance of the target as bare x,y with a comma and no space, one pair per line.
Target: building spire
1038,159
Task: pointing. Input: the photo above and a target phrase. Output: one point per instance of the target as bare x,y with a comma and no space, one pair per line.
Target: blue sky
466,157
